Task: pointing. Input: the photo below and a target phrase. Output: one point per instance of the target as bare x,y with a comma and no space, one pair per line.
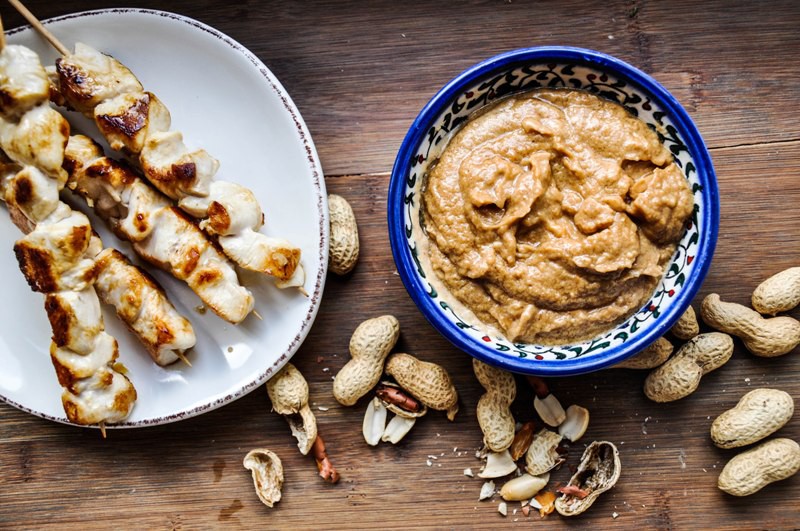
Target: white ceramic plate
225,100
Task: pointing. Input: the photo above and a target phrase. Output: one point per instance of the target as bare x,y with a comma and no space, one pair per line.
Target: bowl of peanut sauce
553,211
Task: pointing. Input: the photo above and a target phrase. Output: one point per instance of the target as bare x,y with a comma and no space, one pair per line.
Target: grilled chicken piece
94,391
31,191
143,306
137,123
84,357
160,233
232,212
198,263
37,139
173,169
51,256
23,84
273,256
228,208
76,320
32,133
87,77
127,120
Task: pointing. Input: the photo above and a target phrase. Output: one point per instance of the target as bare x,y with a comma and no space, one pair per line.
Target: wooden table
360,72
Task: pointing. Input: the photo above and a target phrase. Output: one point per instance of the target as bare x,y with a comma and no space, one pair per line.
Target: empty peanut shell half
597,472
543,455
267,473
304,428
288,391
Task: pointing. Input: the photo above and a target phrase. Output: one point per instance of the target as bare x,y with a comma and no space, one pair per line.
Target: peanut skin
759,413
779,293
750,471
370,344
680,375
427,382
766,338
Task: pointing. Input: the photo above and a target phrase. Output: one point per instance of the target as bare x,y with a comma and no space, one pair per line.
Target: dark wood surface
359,72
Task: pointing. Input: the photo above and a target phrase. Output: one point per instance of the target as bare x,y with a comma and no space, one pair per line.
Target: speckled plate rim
320,201
493,66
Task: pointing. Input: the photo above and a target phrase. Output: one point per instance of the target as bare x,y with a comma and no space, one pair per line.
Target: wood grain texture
359,74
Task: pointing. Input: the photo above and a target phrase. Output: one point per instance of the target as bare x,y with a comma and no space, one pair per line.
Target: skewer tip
103,429
255,312
183,358
302,290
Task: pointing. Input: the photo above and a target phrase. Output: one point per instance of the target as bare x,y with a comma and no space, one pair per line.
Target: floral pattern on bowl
577,69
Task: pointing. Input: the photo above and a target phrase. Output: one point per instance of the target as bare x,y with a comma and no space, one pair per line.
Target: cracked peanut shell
597,472
427,382
267,472
542,455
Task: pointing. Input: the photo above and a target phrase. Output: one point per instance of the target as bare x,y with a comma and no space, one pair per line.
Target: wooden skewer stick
183,358
2,35
103,429
38,26
258,315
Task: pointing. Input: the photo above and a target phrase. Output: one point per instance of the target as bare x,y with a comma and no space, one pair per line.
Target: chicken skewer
227,210
54,257
39,138
216,281
137,123
138,300
159,232
57,263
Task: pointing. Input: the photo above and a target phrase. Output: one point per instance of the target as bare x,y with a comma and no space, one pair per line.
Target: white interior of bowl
556,75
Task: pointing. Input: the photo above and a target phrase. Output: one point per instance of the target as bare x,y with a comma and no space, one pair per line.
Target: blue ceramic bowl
554,67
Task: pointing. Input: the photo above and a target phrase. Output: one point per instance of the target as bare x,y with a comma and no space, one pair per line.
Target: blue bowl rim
545,54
